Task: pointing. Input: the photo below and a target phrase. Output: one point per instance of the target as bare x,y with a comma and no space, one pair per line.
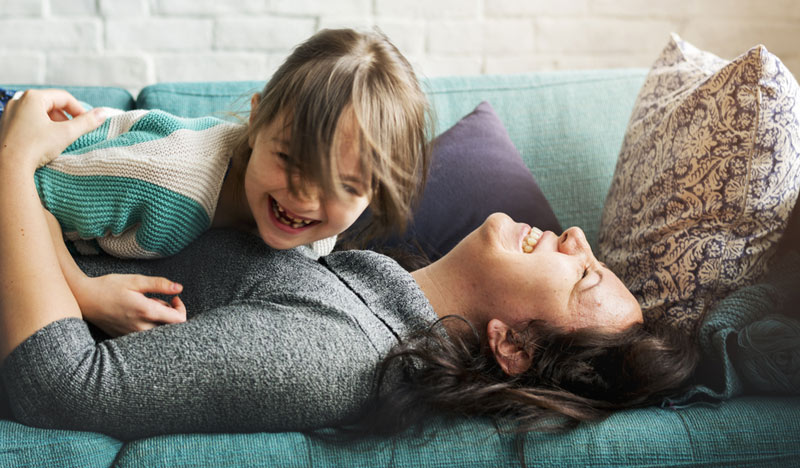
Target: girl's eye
350,189
282,156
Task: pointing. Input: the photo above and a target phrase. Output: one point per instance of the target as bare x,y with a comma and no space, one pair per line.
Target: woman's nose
573,241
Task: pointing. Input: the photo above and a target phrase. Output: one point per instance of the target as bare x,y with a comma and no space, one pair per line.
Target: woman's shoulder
385,286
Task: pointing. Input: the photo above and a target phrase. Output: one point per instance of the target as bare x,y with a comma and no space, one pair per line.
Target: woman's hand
117,303
34,129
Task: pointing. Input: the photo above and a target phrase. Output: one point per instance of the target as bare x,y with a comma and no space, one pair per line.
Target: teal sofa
568,127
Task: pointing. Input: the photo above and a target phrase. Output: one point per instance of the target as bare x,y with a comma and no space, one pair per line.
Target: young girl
342,125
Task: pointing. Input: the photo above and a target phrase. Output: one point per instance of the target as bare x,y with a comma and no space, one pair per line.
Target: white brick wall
132,43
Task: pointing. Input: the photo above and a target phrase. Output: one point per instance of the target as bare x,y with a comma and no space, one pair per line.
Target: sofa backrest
568,125
97,96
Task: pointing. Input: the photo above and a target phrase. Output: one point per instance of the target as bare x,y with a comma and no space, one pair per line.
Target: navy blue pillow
475,171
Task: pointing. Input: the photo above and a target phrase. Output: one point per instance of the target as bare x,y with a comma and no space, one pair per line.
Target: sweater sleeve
142,185
243,368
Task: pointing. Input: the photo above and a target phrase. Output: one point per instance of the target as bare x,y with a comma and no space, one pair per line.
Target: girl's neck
232,207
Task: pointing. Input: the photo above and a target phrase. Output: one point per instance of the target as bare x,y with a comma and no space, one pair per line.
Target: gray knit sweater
275,341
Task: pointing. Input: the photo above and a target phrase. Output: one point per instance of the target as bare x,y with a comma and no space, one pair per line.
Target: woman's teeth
281,215
530,241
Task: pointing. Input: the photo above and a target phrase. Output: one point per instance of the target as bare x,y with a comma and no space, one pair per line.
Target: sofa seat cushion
705,182
698,436
31,447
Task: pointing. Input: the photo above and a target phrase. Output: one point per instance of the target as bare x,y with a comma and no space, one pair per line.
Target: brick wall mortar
175,40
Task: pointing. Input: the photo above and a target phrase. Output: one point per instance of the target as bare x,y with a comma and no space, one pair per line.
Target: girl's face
285,220
560,281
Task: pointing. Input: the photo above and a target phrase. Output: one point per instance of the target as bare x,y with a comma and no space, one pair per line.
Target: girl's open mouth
287,221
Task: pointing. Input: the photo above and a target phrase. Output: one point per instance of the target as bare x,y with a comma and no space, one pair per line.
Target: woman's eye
585,272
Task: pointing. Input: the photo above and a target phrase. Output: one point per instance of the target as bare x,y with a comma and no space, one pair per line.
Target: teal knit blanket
750,341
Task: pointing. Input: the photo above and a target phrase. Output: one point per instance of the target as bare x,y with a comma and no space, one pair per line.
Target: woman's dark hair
581,375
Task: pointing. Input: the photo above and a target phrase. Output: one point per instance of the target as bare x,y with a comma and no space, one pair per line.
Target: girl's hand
34,129
117,303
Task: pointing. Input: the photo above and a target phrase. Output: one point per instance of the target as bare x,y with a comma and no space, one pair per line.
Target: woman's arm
33,290
277,343
239,368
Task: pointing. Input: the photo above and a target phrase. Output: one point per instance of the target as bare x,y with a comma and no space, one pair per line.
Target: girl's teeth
531,240
280,213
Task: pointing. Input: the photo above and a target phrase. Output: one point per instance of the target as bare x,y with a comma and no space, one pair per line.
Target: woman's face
560,281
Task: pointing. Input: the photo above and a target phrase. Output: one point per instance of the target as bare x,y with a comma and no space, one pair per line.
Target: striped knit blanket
143,185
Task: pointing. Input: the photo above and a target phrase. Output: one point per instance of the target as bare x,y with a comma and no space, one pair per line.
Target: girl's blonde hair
339,73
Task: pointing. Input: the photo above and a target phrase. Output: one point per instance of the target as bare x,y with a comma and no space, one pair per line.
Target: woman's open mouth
530,241
287,220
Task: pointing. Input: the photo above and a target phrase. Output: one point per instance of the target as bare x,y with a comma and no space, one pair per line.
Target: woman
281,342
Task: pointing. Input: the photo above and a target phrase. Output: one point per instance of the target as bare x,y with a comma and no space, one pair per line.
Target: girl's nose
306,197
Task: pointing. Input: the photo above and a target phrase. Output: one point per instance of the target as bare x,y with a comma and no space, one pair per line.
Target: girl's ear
511,357
254,100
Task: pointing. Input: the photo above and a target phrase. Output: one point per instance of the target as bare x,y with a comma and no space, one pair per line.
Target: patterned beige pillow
708,174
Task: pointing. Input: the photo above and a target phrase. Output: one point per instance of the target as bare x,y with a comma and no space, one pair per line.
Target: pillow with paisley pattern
705,182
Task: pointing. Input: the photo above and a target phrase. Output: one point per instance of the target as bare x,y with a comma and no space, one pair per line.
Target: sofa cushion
218,98
698,436
705,182
22,445
475,171
97,96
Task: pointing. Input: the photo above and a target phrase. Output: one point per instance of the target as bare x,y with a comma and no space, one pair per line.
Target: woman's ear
511,357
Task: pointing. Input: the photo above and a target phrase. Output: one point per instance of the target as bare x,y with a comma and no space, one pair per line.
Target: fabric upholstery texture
706,180
23,446
697,436
476,171
97,96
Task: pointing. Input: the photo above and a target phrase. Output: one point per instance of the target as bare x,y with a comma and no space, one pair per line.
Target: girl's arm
33,290
117,303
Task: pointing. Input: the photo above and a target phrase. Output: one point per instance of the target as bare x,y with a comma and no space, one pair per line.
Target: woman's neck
444,289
